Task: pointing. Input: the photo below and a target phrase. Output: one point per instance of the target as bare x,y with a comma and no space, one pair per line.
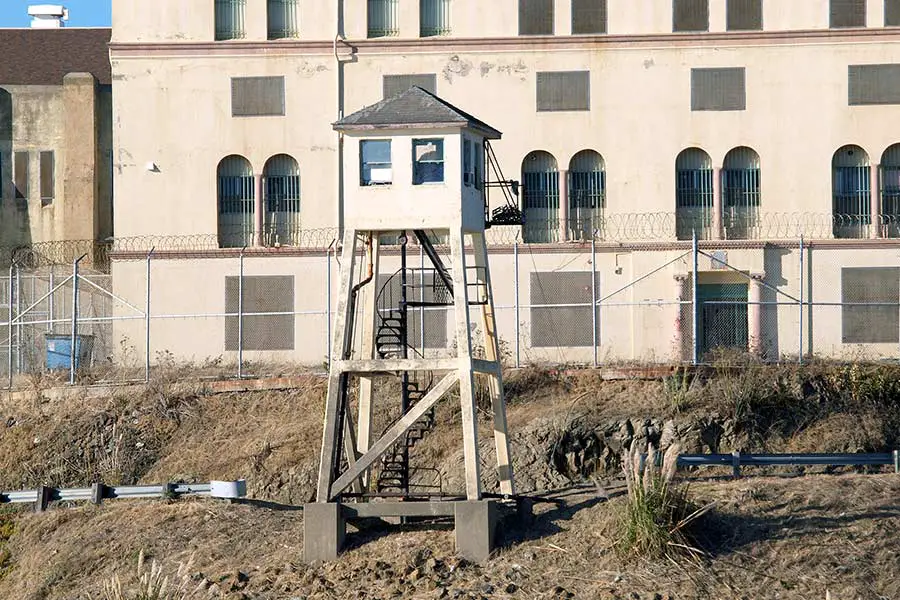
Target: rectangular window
383,19
690,15
892,13
468,163
874,84
870,314
588,17
479,166
563,90
563,326
744,15
535,17
847,13
48,178
230,19
718,89
283,19
20,176
428,161
396,84
262,294
434,17
257,97
375,162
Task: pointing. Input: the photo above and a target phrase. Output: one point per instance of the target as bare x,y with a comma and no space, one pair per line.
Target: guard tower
414,169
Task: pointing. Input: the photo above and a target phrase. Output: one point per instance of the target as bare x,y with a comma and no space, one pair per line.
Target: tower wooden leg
464,355
367,351
336,380
492,354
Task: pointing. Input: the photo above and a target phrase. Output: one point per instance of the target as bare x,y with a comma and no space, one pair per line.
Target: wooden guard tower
414,169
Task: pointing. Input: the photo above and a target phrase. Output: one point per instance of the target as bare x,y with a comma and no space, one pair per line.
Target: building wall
74,121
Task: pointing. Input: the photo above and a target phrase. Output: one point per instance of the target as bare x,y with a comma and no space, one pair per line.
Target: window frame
728,17
363,163
831,16
675,28
417,162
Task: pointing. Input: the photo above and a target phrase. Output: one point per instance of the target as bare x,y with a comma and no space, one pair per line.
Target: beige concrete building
630,125
55,137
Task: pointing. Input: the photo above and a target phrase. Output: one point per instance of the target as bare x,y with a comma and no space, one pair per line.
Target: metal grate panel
589,17
262,294
848,13
744,15
535,17
563,91
563,326
878,323
690,15
874,84
257,96
397,84
718,89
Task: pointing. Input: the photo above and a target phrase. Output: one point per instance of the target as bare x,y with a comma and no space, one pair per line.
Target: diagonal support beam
393,434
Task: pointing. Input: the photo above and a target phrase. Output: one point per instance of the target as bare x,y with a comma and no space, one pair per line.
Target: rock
510,588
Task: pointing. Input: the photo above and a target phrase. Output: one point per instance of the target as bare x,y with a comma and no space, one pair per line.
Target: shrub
658,514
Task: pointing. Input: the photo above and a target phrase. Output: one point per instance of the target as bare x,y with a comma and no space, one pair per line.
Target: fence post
517,308
240,340
73,355
594,307
9,325
50,300
147,321
18,321
800,320
328,304
695,250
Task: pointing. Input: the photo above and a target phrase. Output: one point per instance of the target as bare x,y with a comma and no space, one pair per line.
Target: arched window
282,201
740,193
851,190
890,191
230,19
693,194
237,192
587,194
540,197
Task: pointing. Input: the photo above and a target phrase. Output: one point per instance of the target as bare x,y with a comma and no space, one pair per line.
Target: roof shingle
414,107
45,56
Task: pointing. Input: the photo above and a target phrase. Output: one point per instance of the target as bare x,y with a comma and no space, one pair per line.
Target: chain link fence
240,313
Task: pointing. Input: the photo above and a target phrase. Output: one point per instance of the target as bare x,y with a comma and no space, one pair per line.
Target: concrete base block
324,528
476,528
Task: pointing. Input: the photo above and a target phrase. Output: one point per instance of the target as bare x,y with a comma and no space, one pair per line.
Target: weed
155,584
678,388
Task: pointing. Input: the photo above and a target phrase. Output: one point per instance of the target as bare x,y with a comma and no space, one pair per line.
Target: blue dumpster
59,351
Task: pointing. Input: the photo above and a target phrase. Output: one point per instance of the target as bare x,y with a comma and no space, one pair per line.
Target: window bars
587,195
693,194
236,192
283,19
540,198
230,19
434,17
383,18
281,186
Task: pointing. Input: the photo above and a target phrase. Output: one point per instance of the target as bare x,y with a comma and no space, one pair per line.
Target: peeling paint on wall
457,66
518,69
307,69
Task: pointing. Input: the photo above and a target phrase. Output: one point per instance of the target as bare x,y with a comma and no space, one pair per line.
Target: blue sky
82,13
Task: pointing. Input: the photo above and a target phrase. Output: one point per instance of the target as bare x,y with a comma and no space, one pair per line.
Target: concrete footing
325,524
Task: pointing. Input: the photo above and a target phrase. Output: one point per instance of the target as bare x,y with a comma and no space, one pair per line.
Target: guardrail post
98,492
44,494
736,464
897,461
168,490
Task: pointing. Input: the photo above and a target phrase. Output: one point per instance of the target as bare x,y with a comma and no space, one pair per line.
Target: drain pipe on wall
339,65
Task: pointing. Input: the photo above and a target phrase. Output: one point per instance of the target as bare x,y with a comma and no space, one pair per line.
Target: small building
55,137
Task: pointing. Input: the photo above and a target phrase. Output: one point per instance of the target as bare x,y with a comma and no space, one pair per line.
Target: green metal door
723,316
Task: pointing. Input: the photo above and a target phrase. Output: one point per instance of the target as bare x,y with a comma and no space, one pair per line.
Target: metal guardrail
736,460
99,492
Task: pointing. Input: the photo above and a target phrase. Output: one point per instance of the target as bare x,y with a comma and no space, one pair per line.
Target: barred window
266,294
283,19
718,89
847,13
892,13
397,84
230,19
48,177
561,326
434,17
744,15
20,176
383,18
690,15
535,17
563,91
257,97
870,314
588,16
874,84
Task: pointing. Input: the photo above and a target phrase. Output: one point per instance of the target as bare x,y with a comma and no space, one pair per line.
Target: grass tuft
658,516
152,583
